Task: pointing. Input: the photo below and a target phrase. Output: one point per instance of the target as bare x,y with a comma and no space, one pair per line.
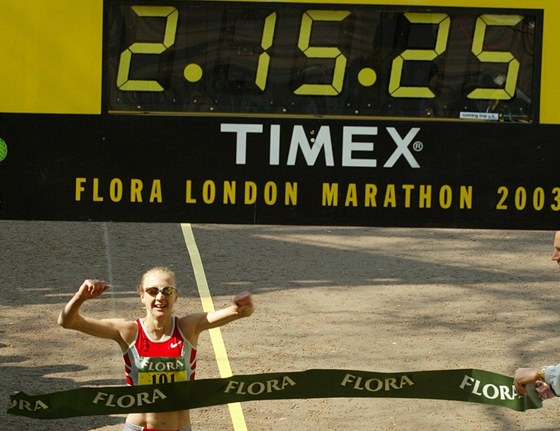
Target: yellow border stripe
224,368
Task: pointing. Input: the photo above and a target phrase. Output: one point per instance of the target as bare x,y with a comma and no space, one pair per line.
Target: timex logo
357,142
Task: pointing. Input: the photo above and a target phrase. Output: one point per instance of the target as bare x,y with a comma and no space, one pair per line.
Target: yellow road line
235,410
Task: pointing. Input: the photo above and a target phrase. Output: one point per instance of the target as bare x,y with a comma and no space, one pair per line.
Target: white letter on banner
348,378
256,388
505,393
158,395
349,146
402,147
467,381
101,396
311,152
125,401
241,130
231,386
371,388
495,391
143,398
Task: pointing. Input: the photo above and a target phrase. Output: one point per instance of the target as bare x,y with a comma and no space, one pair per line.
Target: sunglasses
154,291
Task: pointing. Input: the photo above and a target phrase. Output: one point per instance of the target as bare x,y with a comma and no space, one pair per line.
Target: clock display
341,60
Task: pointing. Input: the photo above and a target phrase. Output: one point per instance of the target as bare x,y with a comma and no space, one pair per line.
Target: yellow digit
477,49
520,198
538,198
501,205
172,16
264,58
555,206
335,87
443,22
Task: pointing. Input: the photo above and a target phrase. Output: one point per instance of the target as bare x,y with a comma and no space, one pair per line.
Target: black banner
468,385
279,171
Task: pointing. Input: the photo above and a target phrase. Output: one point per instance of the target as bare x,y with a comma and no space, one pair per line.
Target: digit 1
443,22
508,91
172,16
335,87
266,43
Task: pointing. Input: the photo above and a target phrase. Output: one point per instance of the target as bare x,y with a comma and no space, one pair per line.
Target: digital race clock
340,59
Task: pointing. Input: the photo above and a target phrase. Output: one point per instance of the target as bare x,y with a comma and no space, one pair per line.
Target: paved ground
357,298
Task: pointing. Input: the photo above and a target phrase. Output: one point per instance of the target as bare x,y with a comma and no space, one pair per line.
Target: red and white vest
148,361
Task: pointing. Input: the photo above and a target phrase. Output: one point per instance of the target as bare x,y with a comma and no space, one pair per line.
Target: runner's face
160,304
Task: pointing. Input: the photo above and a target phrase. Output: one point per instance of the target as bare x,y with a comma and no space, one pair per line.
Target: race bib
162,370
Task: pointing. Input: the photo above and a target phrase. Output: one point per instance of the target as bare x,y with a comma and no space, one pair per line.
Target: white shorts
133,427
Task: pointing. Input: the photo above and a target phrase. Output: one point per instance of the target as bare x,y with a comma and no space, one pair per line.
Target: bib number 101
159,378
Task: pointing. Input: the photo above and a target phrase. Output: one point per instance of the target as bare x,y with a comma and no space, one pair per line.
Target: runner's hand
244,303
92,288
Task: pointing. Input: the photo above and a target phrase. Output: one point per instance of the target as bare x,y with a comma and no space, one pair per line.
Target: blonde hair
163,269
